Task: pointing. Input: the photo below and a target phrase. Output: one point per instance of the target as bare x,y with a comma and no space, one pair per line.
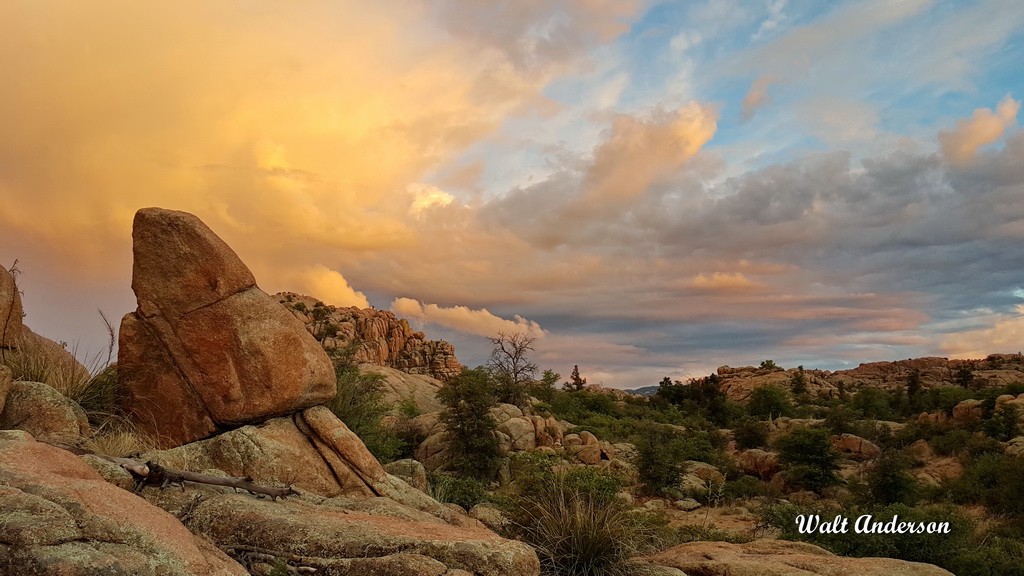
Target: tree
889,480
469,398
769,402
811,459
544,389
512,370
798,383
913,388
770,365
575,381
964,377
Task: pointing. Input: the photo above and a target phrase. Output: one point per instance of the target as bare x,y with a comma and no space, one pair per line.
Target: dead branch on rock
153,474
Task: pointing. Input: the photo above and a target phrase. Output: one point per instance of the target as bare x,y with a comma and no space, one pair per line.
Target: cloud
639,151
426,196
757,96
722,282
960,144
1005,334
320,282
479,322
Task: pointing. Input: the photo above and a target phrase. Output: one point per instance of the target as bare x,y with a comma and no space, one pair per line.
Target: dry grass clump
119,436
579,531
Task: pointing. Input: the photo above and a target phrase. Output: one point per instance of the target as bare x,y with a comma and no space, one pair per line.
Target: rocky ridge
383,338
994,370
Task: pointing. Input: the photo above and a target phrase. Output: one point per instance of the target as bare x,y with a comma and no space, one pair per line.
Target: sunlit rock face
207,349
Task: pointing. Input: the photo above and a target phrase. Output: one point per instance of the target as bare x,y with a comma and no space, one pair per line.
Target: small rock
687,504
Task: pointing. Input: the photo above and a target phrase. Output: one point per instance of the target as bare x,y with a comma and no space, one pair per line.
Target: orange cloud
318,281
638,152
1004,335
294,133
722,282
960,144
757,96
464,319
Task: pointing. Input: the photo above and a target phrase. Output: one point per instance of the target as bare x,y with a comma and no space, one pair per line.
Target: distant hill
647,391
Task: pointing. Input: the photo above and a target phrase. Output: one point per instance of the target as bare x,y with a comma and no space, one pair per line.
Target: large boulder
311,450
61,518
856,446
759,463
967,410
43,412
207,349
780,558
398,386
341,539
521,434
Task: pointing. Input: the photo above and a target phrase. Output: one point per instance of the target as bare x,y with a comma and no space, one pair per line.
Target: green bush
470,428
995,480
750,433
662,452
769,402
745,487
873,403
888,480
811,459
465,492
359,404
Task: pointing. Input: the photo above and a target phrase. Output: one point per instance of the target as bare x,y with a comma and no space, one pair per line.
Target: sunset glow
647,188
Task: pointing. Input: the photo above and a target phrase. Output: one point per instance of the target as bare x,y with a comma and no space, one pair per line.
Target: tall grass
577,532
93,386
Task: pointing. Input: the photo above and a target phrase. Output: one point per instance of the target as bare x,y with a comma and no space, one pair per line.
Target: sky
647,188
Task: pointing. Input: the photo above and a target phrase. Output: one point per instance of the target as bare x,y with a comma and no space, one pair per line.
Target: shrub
750,433
580,532
873,403
812,460
465,492
662,452
359,404
469,398
745,487
995,480
889,481
769,402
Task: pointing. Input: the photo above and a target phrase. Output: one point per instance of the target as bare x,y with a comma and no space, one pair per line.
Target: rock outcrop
856,446
780,558
739,383
383,338
35,357
337,539
40,410
399,386
207,349
60,517
994,370
759,463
